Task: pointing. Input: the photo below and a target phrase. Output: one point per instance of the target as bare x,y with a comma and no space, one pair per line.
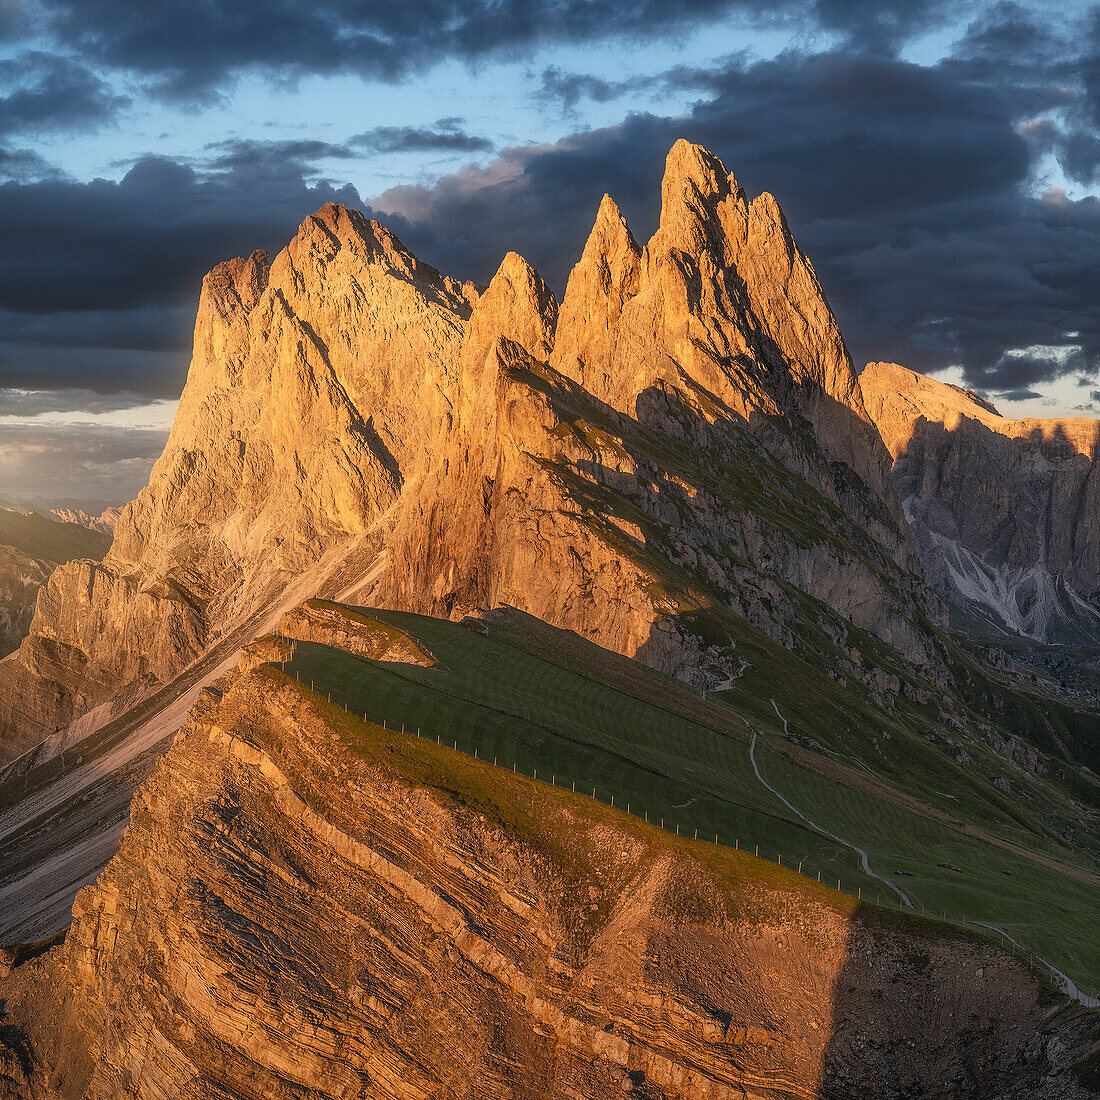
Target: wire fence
1059,980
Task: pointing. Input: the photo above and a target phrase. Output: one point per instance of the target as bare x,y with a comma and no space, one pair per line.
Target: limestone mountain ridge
1005,513
685,434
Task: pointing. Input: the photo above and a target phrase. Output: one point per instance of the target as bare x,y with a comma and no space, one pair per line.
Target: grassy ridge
644,739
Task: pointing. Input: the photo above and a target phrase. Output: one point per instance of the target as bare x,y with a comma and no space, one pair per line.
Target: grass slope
546,702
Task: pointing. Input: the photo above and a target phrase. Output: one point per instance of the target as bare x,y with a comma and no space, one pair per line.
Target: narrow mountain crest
517,305
600,285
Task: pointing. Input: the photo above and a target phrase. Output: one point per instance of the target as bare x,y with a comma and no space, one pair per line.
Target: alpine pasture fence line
1054,976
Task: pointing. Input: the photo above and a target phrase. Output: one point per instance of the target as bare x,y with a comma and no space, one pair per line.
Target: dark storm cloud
567,89
1023,394
250,155
24,164
99,280
43,92
882,26
301,155
29,403
446,137
904,183
191,51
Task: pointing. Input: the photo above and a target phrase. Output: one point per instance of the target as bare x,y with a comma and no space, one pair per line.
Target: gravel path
813,824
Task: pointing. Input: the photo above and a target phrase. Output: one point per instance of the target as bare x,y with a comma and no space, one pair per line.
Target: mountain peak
696,193
890,384
687,163
602,282
610,238
344,225
237,283
518,305
1002,510
337,217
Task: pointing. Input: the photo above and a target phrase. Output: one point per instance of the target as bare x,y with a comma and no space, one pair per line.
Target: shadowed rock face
307,907
1005,513
687,432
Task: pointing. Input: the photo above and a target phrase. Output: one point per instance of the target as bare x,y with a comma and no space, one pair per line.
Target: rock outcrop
687,434
31,548
1005,513
307,907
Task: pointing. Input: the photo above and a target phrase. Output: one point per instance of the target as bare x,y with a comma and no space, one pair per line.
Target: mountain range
642,539
1005,513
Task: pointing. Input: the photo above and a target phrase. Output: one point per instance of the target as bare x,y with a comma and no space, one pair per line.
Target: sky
938,161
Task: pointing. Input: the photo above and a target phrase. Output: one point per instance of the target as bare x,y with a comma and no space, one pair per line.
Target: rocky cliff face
687,434
1005,513
307,907
31,547
313,380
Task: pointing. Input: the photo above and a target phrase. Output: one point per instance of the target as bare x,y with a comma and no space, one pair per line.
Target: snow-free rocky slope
32,546
1005,513
309,906
686,433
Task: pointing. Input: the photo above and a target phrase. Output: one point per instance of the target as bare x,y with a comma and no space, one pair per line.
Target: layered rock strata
305,907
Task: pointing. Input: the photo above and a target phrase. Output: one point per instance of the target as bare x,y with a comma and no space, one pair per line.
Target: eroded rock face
32,545
313,381
721,304
291,918
687,433
1005,513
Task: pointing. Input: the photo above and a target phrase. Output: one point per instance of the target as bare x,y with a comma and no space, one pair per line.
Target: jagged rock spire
518,306
603,281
